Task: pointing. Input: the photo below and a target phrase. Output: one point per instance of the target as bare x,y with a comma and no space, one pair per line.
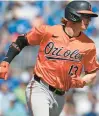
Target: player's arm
91,66
81,82
89,78
14,49
34,37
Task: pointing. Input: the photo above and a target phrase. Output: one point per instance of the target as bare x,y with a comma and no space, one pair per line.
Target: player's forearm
89,78
15,48
81,82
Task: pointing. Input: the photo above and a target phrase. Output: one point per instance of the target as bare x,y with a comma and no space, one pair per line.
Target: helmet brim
92,14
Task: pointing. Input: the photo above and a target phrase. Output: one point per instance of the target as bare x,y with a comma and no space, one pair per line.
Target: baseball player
64,51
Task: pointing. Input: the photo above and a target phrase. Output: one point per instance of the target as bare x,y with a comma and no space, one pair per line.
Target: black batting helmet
75,9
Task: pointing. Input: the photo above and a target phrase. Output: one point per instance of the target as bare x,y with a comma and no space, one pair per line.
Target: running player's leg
39,105
37,99
57,105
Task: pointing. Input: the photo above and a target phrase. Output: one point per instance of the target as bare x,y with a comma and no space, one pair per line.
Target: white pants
41,101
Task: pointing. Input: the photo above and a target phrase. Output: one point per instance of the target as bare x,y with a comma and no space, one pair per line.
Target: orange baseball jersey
61,57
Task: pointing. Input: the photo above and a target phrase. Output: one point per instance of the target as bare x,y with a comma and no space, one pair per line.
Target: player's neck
72,31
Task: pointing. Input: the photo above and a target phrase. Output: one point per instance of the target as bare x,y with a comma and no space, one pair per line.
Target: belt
56,91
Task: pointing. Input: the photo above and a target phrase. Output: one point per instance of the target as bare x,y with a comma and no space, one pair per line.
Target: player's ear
64,21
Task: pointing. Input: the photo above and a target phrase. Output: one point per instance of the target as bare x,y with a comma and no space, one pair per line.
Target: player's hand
4,66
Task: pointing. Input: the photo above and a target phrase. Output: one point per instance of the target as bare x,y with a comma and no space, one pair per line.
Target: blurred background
18,17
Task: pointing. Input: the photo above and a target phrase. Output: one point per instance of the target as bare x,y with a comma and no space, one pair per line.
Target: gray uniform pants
41,101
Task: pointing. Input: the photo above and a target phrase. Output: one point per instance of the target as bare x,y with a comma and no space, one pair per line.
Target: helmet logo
72,17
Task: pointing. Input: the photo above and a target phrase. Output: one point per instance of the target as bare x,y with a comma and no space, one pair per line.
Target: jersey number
73,70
